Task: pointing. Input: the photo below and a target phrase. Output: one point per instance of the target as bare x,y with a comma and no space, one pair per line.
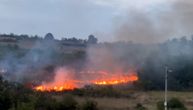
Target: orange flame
117,80
62,81
56,88
65,80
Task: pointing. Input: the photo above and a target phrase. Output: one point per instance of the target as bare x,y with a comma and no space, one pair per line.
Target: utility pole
166,88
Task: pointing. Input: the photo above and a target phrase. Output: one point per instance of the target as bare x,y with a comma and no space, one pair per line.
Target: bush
5,101
140,107
176,104
173,104
68,103
45,102
101,91
25,106
89,105
160,105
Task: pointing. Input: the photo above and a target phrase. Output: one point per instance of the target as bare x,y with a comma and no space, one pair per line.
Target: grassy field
148,99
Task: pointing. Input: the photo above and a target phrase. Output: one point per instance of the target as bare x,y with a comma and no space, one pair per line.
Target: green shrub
140,107
89,105
5,100
68,103
160,105
173,103
25,106
45,102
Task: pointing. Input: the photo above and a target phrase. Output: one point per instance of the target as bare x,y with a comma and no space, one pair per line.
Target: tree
49,36
92,39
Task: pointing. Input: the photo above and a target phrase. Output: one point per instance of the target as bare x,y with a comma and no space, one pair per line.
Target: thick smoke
34,64
40,64
156,23
116,57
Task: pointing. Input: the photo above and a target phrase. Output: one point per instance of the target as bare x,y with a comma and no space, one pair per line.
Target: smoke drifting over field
156,23
45,63
26,65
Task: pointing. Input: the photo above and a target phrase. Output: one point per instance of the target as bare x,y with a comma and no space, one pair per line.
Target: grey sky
107,19
68,18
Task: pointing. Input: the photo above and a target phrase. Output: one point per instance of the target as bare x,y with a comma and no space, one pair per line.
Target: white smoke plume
154,21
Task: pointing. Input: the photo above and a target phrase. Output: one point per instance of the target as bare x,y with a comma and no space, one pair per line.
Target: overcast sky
103,18
71,18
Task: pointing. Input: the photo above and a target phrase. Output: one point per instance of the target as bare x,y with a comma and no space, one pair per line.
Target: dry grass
148,99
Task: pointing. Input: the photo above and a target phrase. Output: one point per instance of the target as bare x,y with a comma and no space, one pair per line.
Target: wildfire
62,81
117,80
56,88
66,81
